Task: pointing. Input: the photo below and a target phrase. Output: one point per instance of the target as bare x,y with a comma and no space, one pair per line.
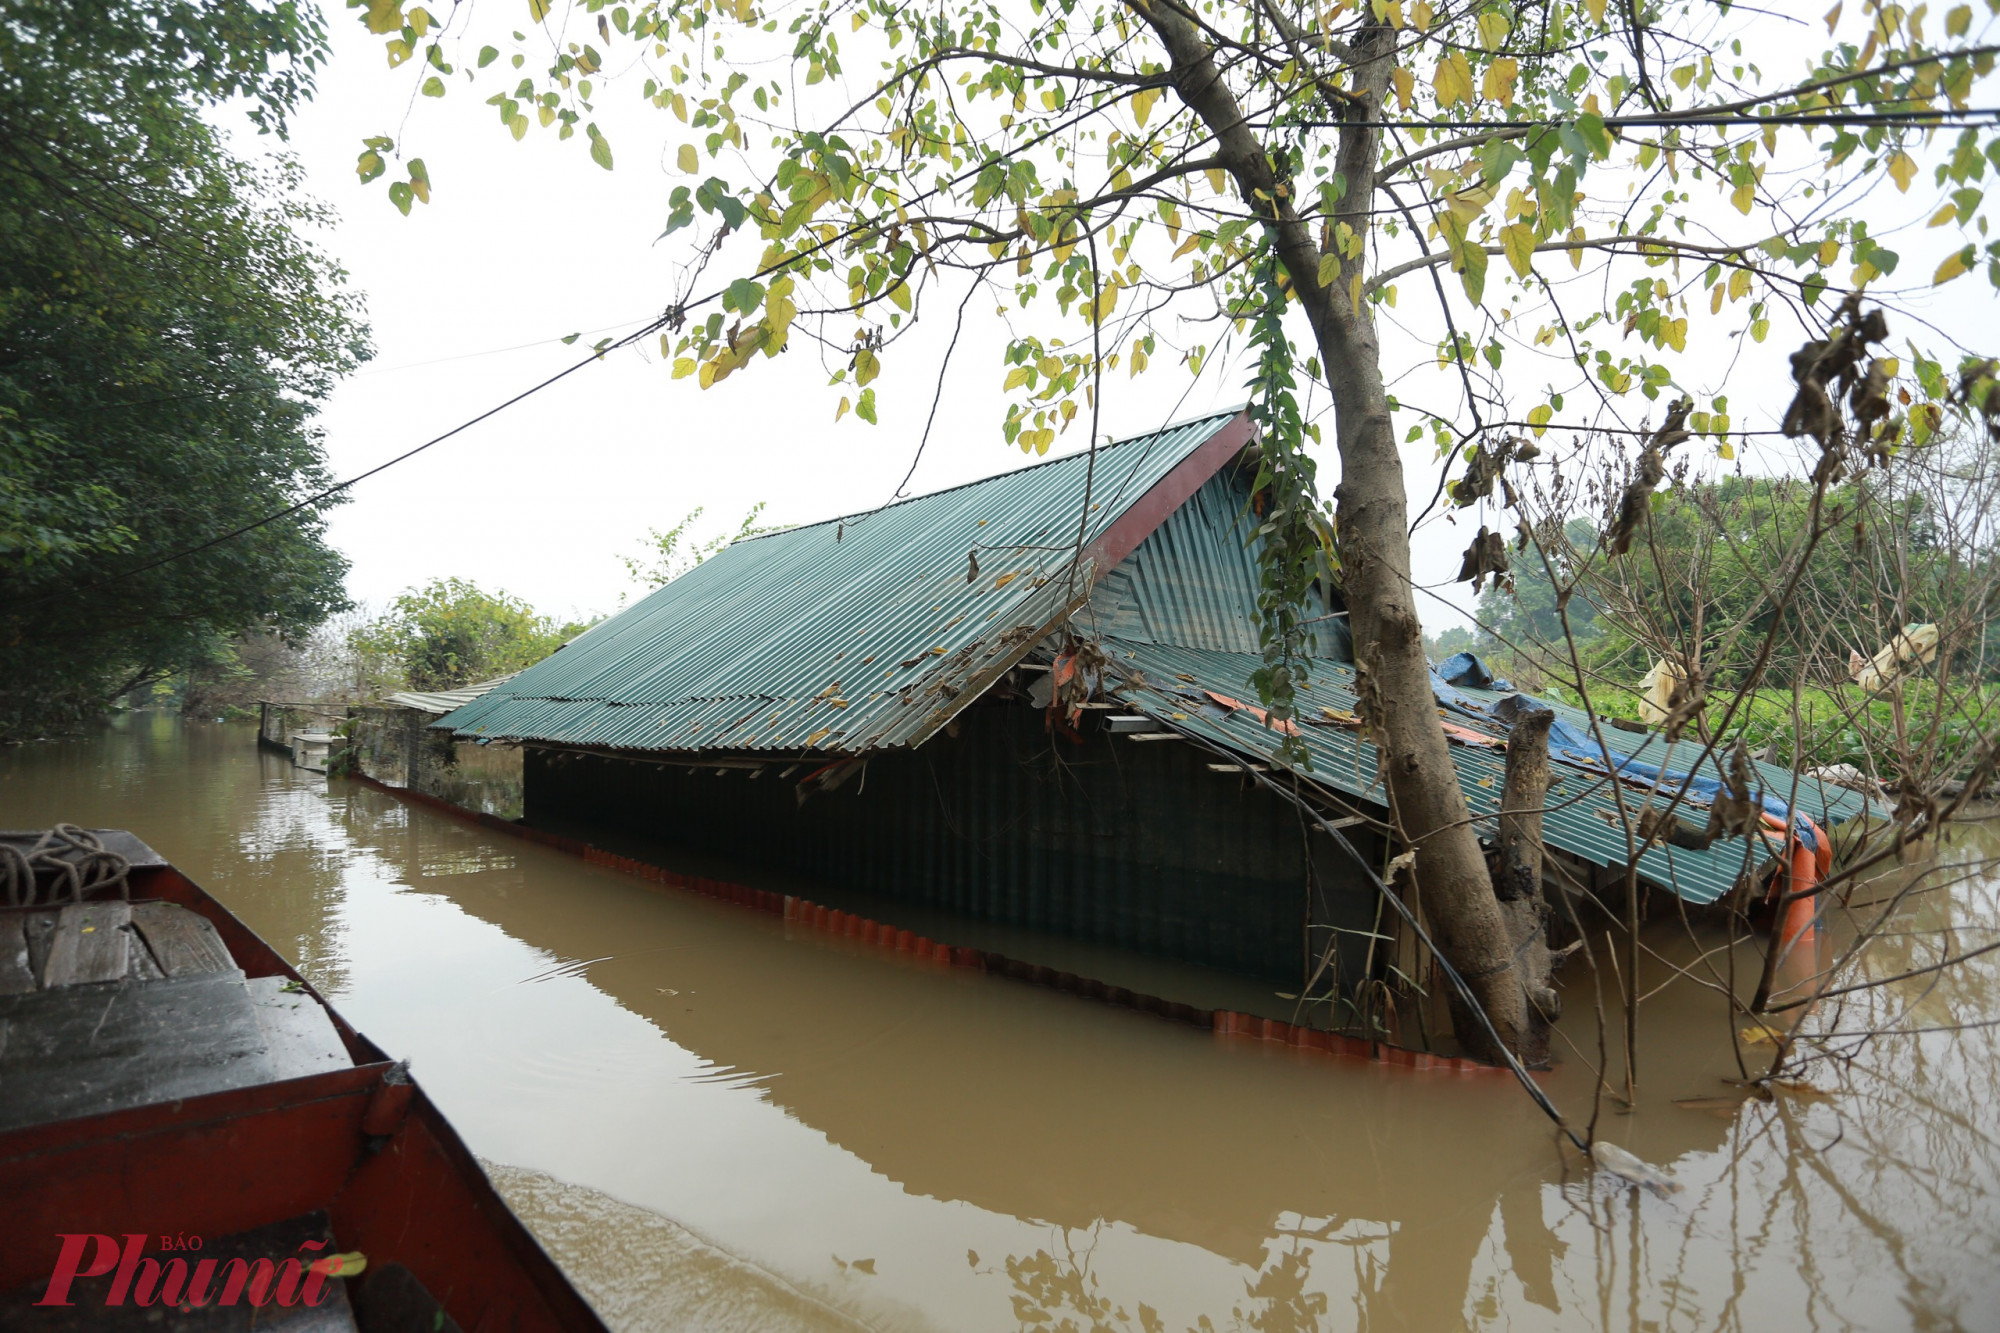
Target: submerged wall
1136,845
397,747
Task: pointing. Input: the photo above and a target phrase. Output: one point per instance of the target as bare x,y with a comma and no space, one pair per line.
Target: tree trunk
1518,883
1428,810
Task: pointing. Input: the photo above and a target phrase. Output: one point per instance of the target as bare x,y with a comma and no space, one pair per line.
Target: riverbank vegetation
166,335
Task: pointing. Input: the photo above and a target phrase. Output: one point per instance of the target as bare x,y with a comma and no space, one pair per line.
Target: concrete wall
397,746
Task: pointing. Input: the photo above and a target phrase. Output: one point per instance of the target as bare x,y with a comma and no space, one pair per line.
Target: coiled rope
64,860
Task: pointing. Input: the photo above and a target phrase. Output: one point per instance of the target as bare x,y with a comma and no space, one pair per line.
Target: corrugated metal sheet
442,701
1168,682
1194,581
844,636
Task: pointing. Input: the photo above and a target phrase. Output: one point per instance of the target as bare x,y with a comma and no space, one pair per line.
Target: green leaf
383,16
686,160
866,367
1472,272
1594,133
744,296
865,409
600,147
433,87
402,197
487,55
1519,240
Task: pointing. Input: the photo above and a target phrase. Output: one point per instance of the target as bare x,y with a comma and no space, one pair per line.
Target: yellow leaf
1739,284
1715,301
1953,265
1498,85
1725,450
1902,168
537,10
1519,241
1406,86
1453,79
1596,8
1675,331
1049,366
1142,103
1833,17
1187,245
1959,21
1354,290
1017,377
900,294
1003,581
686,160
866,366
1329,269
1576,251
1493,27
841,411
1829,251
746,10
1943,215
1744,197
683,367
1538,418
1470,202
860,20
1107,301
1218,180
819,735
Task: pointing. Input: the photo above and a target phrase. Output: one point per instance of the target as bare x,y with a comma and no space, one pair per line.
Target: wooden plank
40,928
184,943
300,1036
89,945
16,977
84,1050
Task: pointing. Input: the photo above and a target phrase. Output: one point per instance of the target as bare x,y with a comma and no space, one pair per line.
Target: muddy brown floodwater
714,1120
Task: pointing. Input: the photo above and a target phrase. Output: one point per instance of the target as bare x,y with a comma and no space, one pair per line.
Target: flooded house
1019,708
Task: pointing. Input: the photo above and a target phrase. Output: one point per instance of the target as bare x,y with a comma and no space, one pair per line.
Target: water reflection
719,1122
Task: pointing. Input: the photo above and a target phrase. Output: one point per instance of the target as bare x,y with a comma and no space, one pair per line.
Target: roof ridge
1220,415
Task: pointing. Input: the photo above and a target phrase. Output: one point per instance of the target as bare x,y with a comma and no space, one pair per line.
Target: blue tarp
1469,670
1578,747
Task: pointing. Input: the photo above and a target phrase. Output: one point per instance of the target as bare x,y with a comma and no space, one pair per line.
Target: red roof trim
1169,493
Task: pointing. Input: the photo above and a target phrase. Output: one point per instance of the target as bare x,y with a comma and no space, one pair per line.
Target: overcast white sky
525,242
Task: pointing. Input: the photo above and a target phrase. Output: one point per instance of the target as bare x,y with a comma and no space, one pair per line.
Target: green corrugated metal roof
1168,682
843,636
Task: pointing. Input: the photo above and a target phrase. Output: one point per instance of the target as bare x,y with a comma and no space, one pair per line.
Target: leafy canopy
165,336
844,157
450,633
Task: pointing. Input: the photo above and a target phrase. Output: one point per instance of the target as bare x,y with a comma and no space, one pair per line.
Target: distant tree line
1713,553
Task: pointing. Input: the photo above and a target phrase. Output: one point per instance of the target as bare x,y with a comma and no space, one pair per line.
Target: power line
321,497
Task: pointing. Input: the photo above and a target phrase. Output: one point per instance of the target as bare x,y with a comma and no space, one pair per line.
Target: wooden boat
191,1136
